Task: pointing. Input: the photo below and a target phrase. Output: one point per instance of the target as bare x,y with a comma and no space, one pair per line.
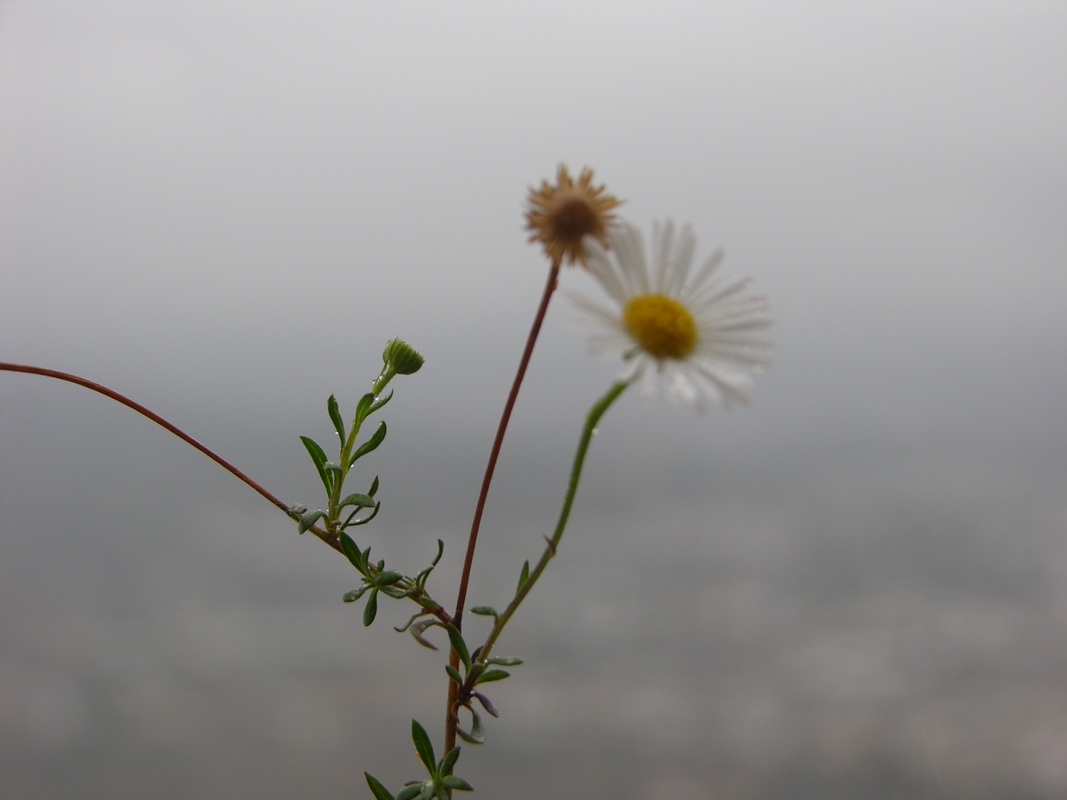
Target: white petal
600,312
662,238
631,260
706,270
681,260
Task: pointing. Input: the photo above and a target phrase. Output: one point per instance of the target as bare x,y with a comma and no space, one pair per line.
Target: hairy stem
330,539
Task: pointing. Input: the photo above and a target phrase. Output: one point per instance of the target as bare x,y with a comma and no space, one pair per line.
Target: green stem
592,418
343,456
386,375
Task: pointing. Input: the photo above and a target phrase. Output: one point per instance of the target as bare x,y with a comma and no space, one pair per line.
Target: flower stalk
451,719
564,217
592,419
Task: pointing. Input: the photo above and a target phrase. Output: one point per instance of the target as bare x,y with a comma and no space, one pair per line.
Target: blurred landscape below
870,627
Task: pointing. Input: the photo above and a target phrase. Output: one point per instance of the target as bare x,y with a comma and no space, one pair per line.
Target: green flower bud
402,357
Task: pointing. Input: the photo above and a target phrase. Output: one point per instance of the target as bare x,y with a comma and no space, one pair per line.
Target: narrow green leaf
387,578
351,551
348,522
453,673
370,611
319,458
363,520
363,408
419,628
411,791
524,575
448,762
318,455
485,611
423,746
371,444
355,594
357,499
459,645
504,661
477,732
381,402
309,519
376,788
452,782
420,579
373,487
394,591
491,675
335,417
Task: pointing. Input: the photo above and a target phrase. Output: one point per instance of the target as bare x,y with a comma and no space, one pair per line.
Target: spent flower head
699,334
561,215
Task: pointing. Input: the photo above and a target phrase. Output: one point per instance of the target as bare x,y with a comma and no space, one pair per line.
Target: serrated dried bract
561,215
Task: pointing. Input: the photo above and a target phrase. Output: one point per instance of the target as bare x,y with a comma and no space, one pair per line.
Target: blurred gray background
857,588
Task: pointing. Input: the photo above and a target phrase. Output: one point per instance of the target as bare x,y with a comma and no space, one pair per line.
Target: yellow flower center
661,325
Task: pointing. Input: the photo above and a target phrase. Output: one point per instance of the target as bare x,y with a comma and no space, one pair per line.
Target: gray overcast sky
225,209
240,177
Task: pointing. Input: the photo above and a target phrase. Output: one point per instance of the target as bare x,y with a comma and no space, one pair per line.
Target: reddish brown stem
330,539
451,718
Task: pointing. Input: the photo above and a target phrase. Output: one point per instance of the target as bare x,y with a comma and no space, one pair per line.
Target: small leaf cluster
440,781
345,511
476,671
398,358
333,474
379,580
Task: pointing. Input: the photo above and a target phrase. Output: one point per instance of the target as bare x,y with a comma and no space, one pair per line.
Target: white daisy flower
699,334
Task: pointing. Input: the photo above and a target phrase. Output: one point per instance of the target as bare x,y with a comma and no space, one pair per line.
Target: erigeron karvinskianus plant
699,333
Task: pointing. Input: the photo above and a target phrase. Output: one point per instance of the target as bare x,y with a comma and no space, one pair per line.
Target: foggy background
856,588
